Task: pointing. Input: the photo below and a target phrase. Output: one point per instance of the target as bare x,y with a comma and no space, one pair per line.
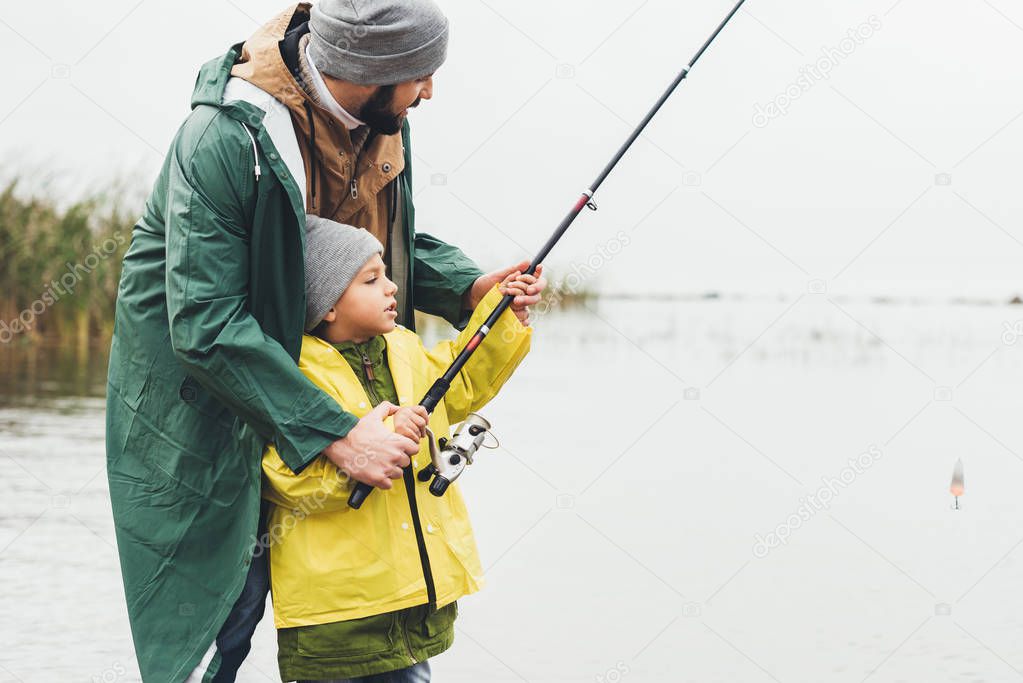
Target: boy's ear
331,316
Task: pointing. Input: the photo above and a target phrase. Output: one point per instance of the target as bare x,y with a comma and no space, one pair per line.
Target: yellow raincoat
330,563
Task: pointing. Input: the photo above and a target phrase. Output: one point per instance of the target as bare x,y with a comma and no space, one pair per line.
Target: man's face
387,107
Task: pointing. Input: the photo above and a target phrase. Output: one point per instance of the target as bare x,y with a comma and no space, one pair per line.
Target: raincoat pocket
353,640
128,382
440,622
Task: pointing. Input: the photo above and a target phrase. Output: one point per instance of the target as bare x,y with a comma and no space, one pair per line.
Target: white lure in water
958,485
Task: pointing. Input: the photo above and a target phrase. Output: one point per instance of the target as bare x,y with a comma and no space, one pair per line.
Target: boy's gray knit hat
378,42
334,255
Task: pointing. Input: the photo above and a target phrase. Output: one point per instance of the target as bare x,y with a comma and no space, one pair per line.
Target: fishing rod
440,387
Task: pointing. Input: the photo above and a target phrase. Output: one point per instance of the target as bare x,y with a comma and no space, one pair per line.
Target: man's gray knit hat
334,255
378,42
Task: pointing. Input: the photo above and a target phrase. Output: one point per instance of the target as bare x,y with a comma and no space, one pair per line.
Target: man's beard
377,113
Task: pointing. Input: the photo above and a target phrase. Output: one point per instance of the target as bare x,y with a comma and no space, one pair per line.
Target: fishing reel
449,458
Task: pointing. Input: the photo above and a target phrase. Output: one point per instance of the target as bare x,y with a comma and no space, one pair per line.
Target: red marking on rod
474,342
581,203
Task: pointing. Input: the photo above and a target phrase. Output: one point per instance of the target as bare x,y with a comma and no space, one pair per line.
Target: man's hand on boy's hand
372,453
531,297
411,421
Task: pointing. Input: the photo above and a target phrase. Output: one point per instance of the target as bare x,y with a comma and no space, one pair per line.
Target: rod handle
359,495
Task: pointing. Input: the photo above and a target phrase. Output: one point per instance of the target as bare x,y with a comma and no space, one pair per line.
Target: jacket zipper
410,490
424,558
367,367
312,149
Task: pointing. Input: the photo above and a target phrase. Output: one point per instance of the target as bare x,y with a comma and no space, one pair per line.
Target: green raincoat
203,367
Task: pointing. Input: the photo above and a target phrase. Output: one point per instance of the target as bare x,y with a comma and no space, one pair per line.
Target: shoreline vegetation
59,267
60,264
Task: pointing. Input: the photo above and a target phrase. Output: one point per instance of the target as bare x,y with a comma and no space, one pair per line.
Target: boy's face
367,308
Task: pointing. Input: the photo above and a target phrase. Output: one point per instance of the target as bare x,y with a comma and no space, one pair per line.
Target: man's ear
331,316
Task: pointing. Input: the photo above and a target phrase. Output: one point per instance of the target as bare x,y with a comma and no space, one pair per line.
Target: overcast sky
897,173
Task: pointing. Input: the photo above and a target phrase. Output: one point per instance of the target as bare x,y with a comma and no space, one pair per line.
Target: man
307,116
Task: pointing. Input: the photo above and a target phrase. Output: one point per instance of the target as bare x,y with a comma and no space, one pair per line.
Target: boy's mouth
393,308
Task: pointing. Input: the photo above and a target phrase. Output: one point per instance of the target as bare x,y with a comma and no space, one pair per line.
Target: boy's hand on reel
411,422
371,453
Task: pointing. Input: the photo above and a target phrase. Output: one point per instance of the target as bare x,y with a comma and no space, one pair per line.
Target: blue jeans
417,673
235,637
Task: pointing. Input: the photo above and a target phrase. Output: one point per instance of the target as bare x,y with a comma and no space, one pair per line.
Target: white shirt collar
328,101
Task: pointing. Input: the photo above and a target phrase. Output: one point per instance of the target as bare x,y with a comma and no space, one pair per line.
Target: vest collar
372,348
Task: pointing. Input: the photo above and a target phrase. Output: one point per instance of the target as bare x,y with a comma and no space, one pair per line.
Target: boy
369,594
